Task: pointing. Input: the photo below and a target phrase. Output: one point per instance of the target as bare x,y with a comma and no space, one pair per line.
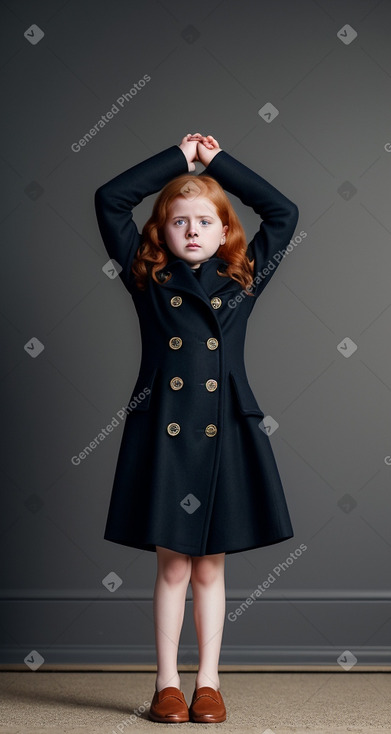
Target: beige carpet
270,703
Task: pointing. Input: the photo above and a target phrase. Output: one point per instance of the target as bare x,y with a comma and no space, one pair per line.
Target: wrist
186,157
212,157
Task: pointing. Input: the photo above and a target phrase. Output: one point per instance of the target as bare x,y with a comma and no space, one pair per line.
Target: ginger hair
152,254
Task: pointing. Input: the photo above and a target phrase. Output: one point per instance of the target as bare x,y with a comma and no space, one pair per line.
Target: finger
212,140
205,141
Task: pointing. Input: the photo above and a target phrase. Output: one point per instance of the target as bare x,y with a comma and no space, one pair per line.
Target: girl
196,477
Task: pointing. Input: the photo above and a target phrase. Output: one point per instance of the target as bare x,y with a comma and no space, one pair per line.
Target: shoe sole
168,719
205,719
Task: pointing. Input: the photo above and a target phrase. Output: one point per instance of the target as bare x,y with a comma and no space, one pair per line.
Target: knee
176,570
205,571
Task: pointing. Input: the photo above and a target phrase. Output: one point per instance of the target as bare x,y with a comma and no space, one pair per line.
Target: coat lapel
205,284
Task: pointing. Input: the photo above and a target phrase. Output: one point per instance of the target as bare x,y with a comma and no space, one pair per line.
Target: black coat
195,472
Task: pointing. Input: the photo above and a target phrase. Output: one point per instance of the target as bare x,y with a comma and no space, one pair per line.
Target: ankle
161,683
211,682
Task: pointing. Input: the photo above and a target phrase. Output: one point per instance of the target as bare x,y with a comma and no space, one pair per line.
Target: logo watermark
347,660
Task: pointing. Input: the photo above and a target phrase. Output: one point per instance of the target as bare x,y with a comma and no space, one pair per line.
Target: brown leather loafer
169,706
207,705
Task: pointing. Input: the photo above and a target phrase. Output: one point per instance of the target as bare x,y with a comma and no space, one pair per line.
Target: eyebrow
183,216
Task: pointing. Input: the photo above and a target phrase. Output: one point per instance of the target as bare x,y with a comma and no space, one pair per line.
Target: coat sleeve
278,213
114,202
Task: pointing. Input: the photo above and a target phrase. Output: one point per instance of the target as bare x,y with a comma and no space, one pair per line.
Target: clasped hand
197,147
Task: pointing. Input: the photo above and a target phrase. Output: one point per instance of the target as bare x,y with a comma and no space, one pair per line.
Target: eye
203,221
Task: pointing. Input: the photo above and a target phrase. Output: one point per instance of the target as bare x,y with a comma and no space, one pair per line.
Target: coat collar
205,283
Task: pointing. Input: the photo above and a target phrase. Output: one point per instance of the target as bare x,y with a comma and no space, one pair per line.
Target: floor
266,703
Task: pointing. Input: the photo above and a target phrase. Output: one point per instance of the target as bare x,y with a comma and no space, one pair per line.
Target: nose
192,232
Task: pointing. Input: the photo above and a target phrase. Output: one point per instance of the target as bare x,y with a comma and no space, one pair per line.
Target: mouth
192,245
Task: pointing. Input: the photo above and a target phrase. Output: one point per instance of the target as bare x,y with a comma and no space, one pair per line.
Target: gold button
176,301
216,302
211,385
176,383
211,430
212,343
173,429
175,342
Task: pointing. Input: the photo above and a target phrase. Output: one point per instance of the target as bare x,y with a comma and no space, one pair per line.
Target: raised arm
114,202
278,213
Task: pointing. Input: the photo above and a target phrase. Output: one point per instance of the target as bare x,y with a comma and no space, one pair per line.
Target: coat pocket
245,397
142,392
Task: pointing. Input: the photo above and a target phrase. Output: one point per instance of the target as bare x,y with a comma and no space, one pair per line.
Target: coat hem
189,550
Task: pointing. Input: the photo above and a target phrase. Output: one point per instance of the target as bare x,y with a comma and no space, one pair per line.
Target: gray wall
211,68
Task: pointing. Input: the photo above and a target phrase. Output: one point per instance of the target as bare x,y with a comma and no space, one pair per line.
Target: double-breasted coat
195,471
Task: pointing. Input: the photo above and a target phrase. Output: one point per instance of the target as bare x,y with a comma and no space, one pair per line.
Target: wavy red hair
152,256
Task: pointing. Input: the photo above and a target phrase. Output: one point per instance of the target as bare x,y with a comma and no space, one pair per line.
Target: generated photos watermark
116,107
261,588
132,719
267,269
104,432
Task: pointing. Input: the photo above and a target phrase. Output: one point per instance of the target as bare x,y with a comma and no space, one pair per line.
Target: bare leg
172,580
208,585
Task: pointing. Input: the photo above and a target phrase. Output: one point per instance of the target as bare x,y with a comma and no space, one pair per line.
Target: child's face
194,221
